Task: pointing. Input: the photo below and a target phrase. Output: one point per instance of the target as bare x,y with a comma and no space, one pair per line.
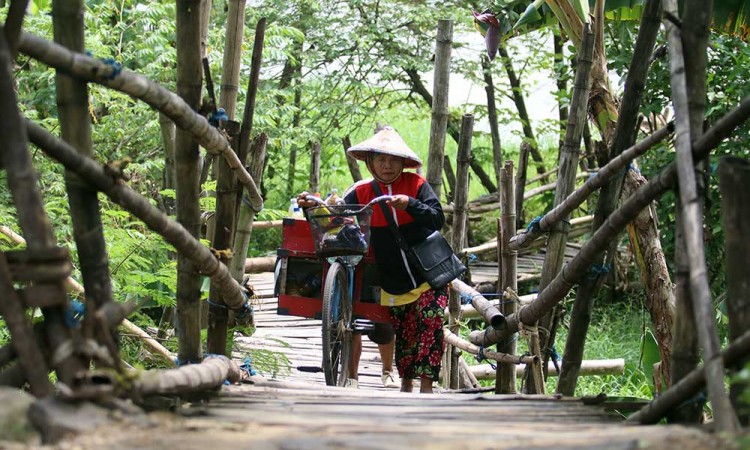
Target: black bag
433,257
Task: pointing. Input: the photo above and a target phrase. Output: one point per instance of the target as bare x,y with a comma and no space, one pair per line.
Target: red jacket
421,217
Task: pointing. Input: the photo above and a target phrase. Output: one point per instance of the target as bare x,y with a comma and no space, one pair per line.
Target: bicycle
341,235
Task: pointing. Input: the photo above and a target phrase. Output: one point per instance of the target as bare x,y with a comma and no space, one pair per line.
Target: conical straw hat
389,142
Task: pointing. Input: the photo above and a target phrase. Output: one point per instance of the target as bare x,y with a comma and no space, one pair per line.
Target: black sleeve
351,198
426,208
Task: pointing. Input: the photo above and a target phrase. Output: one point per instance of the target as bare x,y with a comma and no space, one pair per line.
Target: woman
416,310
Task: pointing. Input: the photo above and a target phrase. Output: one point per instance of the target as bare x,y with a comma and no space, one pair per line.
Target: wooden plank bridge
291,409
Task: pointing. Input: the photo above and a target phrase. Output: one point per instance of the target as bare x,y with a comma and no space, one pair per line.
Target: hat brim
386,141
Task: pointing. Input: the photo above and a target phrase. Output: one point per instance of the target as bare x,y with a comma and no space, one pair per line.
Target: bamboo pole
523,164
615,223
260,264
209,374
75,128
594,182
21,179
597,367
439,122
248,113
568,166
230,70
13,24
223,238
734,177
246,218
489,89
490,313
703,309
137,86
505,378
690,385
623,138
461,198
487,354
173,232
187,170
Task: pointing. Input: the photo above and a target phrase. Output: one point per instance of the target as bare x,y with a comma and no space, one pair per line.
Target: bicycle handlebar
370,203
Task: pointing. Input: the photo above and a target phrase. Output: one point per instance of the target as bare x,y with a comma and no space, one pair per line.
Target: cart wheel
337,325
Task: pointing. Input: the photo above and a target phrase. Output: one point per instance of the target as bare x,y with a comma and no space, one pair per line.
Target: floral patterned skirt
419,335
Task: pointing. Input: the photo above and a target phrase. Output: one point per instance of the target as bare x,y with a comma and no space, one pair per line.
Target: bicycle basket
340,230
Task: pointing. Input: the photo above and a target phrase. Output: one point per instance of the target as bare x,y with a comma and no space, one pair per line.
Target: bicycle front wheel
337,325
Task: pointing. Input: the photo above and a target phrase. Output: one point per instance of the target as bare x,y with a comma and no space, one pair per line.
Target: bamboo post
27,349
13,24
315,167
459,232
21,179
734,177
489,89
701,293
350,161
246,218
568,166
226,198
230,70
505,378
75,128
523,164
187,166
439,122
615,223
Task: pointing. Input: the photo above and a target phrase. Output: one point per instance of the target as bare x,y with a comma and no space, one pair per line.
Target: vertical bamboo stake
21,179
734,178
702,307
505,377
187,169
315,167
439,122
230,70
568,166
13,24
246,214
459,231
523,164
75,128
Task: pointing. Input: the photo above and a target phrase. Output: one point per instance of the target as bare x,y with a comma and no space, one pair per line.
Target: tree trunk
451,178
315,167
497,149
350,161
13,24
520,103
523,164
439,122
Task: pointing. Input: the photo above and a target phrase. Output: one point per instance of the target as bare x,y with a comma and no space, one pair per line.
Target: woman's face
387,167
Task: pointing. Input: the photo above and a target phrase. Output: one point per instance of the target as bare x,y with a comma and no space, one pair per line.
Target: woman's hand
303,202
399,201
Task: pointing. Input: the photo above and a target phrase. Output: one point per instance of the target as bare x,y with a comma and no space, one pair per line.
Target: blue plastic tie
472,258
116,67
179,363
74,314
243,313
212,303
465,298
481,357
596,270
247,367
217,117
534,225
631,167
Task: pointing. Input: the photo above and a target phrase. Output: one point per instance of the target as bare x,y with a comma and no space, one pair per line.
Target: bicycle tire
336,328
